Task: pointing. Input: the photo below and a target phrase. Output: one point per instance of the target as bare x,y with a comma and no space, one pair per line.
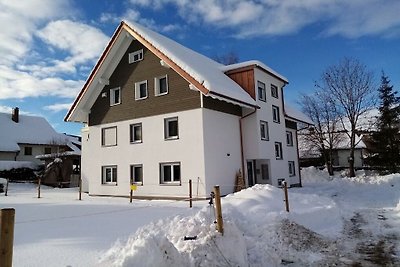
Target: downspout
241,141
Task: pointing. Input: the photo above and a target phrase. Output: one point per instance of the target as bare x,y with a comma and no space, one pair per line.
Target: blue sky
48,47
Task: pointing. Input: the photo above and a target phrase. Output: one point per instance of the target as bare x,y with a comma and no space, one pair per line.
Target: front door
250,173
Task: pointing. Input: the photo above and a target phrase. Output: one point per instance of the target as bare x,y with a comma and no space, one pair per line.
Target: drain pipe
241,141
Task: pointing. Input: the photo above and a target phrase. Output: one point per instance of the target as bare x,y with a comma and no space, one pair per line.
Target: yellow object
133,187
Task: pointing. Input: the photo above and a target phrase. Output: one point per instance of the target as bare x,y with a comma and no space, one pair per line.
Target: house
158,114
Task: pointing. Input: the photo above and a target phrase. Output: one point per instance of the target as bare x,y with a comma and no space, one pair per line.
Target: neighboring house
157,114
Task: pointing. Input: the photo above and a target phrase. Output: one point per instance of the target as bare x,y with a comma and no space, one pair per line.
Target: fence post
80,187
190,193
285,189
39,182
8,180
220,223
7,217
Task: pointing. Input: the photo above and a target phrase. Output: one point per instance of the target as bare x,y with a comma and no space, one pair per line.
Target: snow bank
8,165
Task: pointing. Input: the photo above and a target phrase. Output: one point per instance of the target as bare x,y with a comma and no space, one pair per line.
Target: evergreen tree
387,140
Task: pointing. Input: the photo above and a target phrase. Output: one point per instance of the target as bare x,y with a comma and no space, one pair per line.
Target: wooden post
80,188
190,193
39,182
285,189
130,196
8,180
220,223
7,217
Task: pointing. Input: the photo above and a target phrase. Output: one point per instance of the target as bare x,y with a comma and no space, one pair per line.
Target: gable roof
203,73
297,115
29,130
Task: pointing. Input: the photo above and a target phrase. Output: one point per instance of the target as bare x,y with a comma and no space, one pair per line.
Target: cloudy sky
48,47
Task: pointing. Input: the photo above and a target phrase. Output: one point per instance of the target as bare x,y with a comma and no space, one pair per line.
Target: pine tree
387,140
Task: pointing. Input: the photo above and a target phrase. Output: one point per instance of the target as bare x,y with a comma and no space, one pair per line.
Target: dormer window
136,56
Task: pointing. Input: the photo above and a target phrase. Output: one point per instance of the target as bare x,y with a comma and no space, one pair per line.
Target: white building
158,114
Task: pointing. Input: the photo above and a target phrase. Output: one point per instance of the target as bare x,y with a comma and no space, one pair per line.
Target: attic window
161,85
115,96
136,56
141,90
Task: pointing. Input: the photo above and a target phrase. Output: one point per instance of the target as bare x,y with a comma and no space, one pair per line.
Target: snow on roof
298,115
206,71
258,64
29,130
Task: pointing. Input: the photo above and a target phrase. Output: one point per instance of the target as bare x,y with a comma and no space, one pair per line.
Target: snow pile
6,165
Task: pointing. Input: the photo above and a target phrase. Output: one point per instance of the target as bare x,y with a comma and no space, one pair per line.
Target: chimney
15,114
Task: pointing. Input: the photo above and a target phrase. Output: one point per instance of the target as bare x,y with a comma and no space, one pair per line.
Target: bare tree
324,135
349,85
227,59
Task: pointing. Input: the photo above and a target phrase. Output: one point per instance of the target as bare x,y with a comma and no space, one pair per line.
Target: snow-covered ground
340,221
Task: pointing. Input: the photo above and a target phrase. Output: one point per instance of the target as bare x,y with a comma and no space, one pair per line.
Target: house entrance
250,173
258,172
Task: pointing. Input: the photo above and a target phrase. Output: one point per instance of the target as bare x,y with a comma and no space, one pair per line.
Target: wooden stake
39,182
7,217
8,180
220,223
131,196
285,189
190,193
80,188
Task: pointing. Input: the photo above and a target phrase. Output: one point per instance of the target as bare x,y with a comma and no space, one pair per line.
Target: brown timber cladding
245,78
179,97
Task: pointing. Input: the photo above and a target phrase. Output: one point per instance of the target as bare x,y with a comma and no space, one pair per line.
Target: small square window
136,56
137,174
109,136
115,96
278,150
47,150
171,128
109,175
275,114
292,170
261,91
161,85
28,151
141,90
289,138
136,133
264,130
274,91
170,173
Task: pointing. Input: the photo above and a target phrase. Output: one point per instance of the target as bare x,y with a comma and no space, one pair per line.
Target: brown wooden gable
245,78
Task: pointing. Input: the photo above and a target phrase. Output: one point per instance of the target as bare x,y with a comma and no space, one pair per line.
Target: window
289,138
275,114
136,56
264,130
28,151
292,170
136,133
109,136
170,173
141,90
278,150
274,91
171,128
161,85
47,150
115,96
137,174
109,175
261,91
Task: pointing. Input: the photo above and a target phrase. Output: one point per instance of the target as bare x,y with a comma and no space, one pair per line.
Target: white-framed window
289,138
170,173
275,114
115,96
109,174
278,150
274,91
136,56
109,136
136,133
161,85
137,174
292,169
264,130
261,91
141,90
171,128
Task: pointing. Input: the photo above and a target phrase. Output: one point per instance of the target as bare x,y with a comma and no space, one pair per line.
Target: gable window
292,170
109,175
275,114
115,96
28,151
171,128
170,173
274,91
289,138
137,174
161,85
278,150
109,136
136,56
141,90
47,150
136,133
261,91
264,130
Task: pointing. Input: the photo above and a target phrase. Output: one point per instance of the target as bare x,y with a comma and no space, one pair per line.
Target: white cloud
58,107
